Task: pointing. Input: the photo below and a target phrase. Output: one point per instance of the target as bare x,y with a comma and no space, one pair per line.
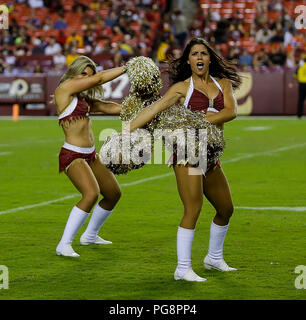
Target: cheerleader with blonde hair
78,94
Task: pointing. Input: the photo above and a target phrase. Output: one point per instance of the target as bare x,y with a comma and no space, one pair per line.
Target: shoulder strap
216,83
189,93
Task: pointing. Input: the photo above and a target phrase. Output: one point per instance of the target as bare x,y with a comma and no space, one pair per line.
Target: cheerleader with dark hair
202,81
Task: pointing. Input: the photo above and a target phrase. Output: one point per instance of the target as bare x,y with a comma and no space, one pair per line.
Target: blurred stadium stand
45,36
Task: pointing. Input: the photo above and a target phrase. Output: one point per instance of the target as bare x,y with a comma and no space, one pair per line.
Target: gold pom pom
144,76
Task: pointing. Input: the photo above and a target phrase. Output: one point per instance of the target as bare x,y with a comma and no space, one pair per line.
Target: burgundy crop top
77,109
198,101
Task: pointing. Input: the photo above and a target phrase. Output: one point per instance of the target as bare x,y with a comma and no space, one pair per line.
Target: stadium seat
273,15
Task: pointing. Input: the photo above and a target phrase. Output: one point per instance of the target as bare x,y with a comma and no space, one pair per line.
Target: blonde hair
76,68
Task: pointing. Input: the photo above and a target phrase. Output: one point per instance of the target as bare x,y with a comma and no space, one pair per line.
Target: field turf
264,161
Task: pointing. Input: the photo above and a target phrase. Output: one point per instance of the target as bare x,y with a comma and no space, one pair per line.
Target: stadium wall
261,93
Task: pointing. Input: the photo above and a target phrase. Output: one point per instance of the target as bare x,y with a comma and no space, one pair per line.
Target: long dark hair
180,70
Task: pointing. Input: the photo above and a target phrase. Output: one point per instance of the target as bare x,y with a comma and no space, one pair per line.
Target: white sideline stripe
77,194
22,143
147,179
274,208
150,179
38,204
265,153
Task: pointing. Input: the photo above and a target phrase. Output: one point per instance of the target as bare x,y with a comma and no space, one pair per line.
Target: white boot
75,221
214,258
90,236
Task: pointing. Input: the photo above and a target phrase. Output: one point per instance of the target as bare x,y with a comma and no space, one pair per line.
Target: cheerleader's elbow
233,114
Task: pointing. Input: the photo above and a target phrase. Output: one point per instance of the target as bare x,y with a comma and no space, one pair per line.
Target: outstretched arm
147,114
77,85
230,106
105,107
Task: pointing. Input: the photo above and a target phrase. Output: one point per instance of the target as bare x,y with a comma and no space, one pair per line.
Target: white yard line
298,209
45,203
147,179
164,176
41,204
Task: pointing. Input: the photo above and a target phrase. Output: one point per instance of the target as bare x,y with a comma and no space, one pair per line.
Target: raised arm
77,85
230,106
147,114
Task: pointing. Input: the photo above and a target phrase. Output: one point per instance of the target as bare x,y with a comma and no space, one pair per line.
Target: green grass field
265,164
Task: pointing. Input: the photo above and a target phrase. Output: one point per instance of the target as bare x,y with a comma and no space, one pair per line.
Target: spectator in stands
263,35
22,38
10,59
233,54
5,50
290,60
61,38
26,70
72,55
2,66
36,4
213,16
278,37
53,47
163,47
89,38
38,68
54,6
181,28
79,7
261,59
75,39
111,19
33,22
275,5
59,61
196,30
235,32
6,38
94,5
289,37
48,24
221,32
10,70
262,6
125,46
21,50
278,25
39,45
60,23
245,58
278,56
